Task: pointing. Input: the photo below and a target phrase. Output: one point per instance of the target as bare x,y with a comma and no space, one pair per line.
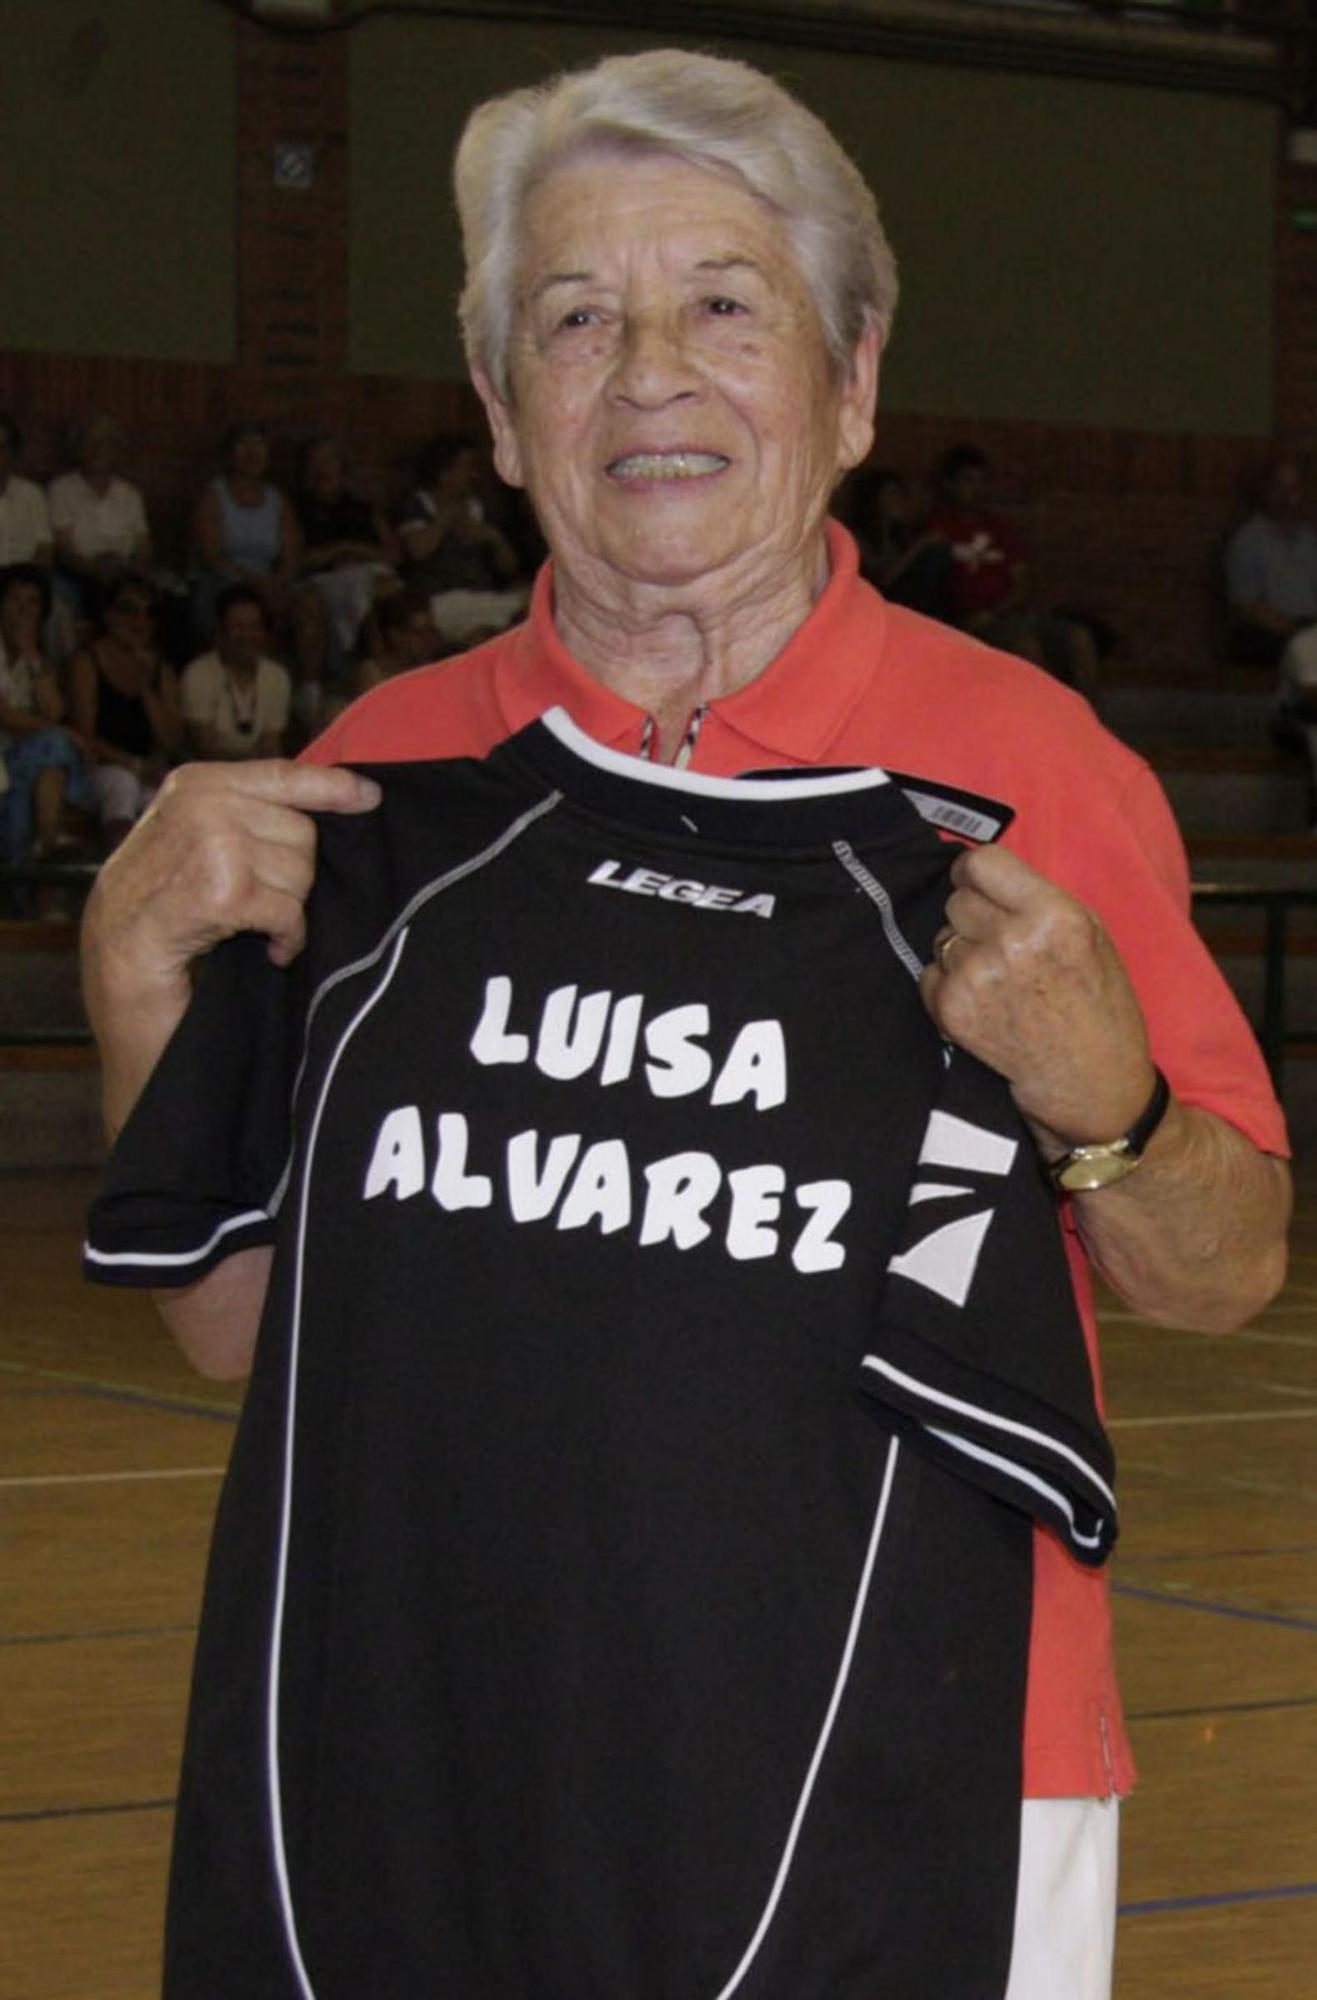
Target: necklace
242,704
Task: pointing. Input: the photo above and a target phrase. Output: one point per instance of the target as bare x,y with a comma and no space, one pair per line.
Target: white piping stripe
285,1526
807,1789
403,918
698,784
881,1367
876,893
159,1259
1023,1477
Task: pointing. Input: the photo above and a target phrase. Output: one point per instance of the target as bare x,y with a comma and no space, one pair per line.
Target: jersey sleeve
195,1173
978,1352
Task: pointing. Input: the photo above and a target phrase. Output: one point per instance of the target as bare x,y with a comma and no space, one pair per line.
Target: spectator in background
991,585
41,765
348,555
98,519
25,535
124,700
900,553
236,699
464,564
1271,569
1294,718
408,638
244,531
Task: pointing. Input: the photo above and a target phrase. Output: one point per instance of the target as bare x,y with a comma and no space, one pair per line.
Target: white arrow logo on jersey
946,1259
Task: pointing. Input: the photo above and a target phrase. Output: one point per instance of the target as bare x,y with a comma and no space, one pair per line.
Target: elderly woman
569,1496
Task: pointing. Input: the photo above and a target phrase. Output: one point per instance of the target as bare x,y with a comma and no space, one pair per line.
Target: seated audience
236,699
98,519
465,565
991,585
124,700
41,766
348,555
1271,569
1294,718
407,635
900,554
244,531
25,535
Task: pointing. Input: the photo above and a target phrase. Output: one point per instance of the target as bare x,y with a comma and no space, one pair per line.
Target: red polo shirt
865,682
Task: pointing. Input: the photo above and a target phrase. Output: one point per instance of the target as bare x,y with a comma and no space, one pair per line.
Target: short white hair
723,116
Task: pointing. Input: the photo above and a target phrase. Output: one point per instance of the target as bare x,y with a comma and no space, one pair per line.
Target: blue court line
1220,1708
85,1812
1282,1892
1217,1610
118,1392
111,1632
1146,1561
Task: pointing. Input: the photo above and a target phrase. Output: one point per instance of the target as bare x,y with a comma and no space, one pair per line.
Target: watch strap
1122,1154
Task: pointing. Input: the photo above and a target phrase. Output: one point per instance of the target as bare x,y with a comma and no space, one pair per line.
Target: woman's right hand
224,848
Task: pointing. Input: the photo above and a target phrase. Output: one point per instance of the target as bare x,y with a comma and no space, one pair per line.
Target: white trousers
1065,1911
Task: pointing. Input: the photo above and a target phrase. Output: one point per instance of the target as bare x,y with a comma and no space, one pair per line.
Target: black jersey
621,1587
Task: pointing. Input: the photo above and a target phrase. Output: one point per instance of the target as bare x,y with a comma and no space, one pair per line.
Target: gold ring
944,946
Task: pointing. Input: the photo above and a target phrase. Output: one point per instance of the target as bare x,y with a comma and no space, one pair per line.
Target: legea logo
680,889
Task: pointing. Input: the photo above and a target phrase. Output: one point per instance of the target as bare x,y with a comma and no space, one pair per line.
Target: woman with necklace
124,699
236,699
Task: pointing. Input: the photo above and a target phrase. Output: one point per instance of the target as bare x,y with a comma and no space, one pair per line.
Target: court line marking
96,1637
86,1812
1225,1555
125,1392
1281,1892
1221,1708
1211,1417
110,1478
1172,1597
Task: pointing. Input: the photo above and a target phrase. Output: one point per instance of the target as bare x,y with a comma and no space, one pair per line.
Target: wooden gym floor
110,1459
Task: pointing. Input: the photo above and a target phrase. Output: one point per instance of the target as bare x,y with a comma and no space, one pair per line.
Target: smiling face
673,413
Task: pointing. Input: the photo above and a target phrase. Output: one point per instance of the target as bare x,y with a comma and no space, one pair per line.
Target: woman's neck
669,650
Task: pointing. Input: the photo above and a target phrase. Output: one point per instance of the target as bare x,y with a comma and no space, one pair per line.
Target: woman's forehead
599,207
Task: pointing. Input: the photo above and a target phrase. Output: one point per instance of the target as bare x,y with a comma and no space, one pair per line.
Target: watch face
1090,1167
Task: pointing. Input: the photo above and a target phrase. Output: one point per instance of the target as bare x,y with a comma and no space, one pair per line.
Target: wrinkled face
242,635
20,617
673,413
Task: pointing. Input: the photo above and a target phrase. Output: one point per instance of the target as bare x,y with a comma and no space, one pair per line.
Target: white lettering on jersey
825,1203
678,1066
578,1032
452,1186
683,1199
601,1190
680,1188
565,1051
491,1042
681,889
399,1157
756,1066
533,1194
756,1204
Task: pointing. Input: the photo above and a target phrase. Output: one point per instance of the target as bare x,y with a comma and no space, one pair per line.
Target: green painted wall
1071,252
116,189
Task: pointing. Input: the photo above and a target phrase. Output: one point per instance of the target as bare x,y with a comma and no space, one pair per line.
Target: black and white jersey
621,1587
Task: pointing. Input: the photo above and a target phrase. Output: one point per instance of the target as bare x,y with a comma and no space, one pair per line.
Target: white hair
723,116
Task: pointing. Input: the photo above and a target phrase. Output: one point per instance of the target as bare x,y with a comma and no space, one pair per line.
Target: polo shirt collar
793,709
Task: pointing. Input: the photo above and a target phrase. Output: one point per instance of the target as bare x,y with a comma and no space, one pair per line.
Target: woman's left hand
1026,978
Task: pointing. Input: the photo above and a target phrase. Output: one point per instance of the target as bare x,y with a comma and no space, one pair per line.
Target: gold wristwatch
1085,1168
